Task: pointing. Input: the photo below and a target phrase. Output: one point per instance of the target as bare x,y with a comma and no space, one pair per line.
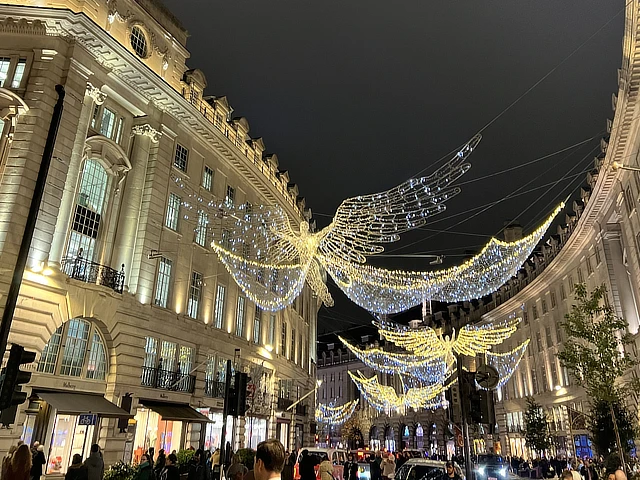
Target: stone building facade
131,314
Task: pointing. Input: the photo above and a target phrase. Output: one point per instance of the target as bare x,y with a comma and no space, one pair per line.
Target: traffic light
12,378
475,406
238,395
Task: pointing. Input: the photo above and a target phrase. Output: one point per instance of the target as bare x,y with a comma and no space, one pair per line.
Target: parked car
418,468
337,458
490,467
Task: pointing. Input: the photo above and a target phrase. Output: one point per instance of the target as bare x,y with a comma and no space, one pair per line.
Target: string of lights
506,363
335,415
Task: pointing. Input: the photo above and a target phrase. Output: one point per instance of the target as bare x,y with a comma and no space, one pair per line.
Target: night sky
356,97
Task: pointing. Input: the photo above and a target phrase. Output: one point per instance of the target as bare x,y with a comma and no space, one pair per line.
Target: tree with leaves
595,356
351,431
536,427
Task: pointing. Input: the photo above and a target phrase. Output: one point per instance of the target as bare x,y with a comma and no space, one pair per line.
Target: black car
491,467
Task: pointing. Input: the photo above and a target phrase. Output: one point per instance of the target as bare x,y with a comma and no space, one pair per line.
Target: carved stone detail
148,131
23,26
94,92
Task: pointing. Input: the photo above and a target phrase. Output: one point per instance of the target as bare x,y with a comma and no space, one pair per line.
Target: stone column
127,231
93,96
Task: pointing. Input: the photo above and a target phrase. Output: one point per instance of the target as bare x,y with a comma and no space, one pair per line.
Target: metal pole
30,225
618,442
462,385
225,413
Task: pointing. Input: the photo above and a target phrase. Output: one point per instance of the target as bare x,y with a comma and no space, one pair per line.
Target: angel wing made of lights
335,415
471,340
428,370
383,397
385,291
271,261
506,363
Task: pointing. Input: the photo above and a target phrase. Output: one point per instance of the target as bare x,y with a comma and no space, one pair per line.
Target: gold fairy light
335,415
506,362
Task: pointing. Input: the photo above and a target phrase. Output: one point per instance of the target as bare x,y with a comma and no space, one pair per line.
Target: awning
76,403
177,412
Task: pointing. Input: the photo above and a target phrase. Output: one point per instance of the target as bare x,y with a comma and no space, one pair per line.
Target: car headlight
503,472
481,470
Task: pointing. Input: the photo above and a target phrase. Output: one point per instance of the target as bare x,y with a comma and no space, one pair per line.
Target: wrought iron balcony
214,389
86,271
284,403
167,380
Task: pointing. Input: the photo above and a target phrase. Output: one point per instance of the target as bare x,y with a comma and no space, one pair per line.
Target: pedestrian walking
236,470
198,469
269,460
160,462
388,466
77,470
170,470
37,462
374,467
307,465
144,470
95,463
326,469
19,466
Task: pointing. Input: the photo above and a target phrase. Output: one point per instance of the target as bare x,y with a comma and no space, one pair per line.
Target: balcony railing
167,380
284,403
214,389
86,271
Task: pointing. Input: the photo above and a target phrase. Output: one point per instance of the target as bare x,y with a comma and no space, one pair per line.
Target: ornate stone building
130,313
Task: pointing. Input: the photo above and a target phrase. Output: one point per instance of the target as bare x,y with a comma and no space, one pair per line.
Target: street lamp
620,166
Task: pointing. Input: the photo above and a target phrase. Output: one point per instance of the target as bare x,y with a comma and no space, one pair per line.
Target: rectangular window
547,332
580,275
150,352
294,353
4,69
210,372
283,340
554,373
525,317
218,121
563,293
108,123
173,211
544,306
168,356
272,329
257,324
240,316
185,360
571,284
19,73
534,381
535,312
95,115
554,300
181,157
119,128
207,178
558,332
628,200
163,282
589,266
201,229
597,251
219,311
543,371
226,239
539,341
195,292
230,196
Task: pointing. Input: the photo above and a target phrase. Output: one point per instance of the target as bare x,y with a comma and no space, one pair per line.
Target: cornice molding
22,26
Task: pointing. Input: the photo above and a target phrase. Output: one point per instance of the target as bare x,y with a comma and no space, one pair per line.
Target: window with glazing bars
5,62
294,353
19,73
173,211
168,356
150,352
272,328
163,282
240,316
210,372
207,178
283,340
195,291
181,157
257,324
230,196
201,229
221,292
108,123
185,360
49,357
75,347
97,364
553,299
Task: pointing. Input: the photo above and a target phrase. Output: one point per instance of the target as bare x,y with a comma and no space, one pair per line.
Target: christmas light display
385,398
505,363
335,415
427,370
471,340
270,260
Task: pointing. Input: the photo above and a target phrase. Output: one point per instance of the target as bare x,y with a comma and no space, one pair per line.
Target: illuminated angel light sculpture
271,261
505,363
385,398
335,415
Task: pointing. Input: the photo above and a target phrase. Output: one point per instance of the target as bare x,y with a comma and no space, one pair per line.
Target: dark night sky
356,97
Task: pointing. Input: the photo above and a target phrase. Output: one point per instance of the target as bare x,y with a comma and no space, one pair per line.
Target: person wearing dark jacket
307,465
198,469
94,463
160,461
375,471
77,470
37,462
144,471
170,470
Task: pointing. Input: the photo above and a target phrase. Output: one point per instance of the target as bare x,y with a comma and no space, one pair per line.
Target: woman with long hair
19,466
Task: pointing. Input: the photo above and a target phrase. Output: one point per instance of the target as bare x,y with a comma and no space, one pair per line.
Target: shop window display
68,439
153,431
255,431
213,434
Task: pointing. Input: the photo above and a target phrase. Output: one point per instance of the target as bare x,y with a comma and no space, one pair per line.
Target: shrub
120,471
246,456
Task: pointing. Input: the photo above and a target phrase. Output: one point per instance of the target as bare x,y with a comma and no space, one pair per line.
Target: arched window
89,209
83,352
419,436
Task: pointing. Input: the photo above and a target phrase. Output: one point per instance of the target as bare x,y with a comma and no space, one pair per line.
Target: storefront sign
87,419
68,385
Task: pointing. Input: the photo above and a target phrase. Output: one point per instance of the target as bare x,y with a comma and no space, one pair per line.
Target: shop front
68,423
213,429
255,431
164,425
282,432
